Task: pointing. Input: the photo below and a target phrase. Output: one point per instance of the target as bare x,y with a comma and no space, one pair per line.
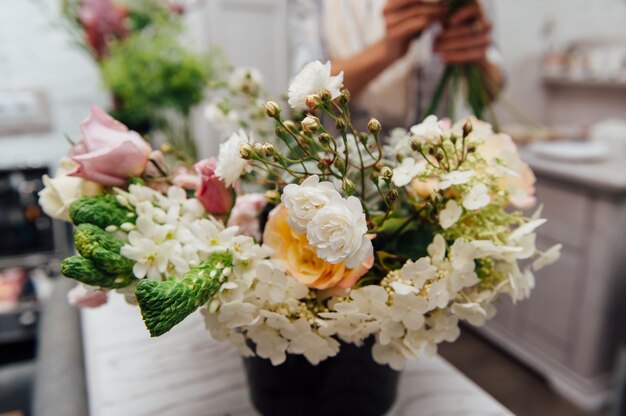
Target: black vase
350,383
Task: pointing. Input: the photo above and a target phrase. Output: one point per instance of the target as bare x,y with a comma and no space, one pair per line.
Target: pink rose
213,194
109,153
246,213
186,179
84,297
103,22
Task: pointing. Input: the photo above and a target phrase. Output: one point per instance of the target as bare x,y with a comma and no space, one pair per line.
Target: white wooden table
186,373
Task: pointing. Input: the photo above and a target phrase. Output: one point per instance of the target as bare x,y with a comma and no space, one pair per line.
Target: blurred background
561,352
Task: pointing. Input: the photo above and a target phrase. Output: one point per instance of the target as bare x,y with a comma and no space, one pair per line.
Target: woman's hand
465,37
405,20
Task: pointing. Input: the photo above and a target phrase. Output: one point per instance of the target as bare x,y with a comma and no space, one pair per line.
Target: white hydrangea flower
398,143
418,272
304,200
437,249
337,231
444,327
271,285
409,309
230,165
548,257
406,171
477,197
456,177
390,354
450,214
470,312
371,300
438,294
314,78
269,344
236,314
429,131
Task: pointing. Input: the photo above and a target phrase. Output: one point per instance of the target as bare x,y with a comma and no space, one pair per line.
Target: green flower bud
246,151
374,126
348,186
310,124
272,109
467,128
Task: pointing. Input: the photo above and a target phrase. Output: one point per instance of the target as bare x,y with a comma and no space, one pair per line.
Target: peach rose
300,259
516,177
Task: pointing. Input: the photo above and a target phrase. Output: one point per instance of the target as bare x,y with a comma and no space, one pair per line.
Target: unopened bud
363,138
267,150
386,173
344,98
291,126
379,166
325,95
311,101
416,144
279,131
374,126
339,164
471,149
272,196
374,176
246,151
392,195
166,148
324,138
272,109
467,128
310,124
324,165
348,186
340,124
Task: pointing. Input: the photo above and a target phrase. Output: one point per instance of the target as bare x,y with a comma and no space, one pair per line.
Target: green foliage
85,271
101,210
151,71
164,304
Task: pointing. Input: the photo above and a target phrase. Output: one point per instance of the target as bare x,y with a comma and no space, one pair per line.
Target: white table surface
186,373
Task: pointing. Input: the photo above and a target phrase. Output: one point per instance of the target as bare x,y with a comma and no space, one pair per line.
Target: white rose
60,192
338,230
230,165
303,201
429,131
314,78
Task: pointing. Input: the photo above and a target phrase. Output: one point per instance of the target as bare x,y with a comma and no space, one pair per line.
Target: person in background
392,52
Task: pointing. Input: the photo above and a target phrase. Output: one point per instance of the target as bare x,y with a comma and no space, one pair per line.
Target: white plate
571,151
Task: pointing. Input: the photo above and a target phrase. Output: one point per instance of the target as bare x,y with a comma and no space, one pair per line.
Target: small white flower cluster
239,104
420,305
335,226
172,234
270,311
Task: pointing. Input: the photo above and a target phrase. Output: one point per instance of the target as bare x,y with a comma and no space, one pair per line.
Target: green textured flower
101,210
164,304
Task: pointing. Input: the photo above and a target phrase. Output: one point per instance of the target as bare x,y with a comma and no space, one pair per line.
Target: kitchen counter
607,176
186,373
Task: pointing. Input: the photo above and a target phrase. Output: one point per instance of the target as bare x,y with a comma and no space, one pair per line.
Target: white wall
36,53
519,26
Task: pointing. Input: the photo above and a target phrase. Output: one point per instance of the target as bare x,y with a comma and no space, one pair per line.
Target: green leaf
413,243
164,304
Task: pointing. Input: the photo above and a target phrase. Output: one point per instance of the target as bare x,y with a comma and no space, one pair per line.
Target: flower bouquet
312,244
